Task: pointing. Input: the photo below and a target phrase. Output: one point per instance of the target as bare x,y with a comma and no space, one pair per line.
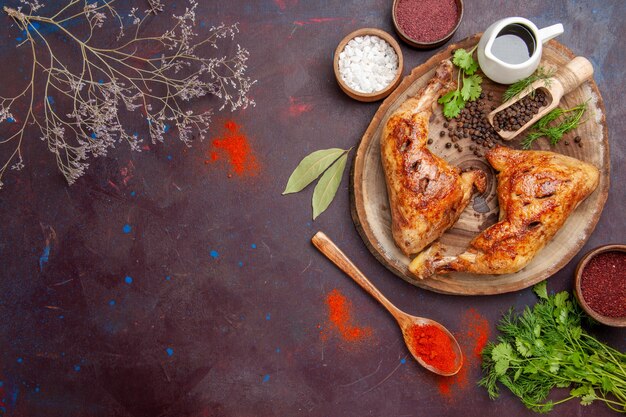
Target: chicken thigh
426,194
537,191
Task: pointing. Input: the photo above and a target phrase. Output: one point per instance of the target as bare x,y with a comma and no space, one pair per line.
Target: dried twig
107,80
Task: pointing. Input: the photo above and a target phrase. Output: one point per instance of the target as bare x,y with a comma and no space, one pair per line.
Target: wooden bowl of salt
385,74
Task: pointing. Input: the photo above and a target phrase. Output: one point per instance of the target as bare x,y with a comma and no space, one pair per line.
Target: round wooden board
370,204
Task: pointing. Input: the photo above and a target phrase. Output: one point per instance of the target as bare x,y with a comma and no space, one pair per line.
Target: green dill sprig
521,86
544,348
543,127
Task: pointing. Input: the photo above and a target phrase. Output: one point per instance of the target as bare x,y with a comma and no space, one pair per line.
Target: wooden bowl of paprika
426,24
601,284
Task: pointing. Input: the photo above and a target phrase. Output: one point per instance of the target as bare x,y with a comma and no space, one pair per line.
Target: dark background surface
242,323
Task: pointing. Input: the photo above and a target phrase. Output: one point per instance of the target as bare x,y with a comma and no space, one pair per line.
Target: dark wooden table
226,313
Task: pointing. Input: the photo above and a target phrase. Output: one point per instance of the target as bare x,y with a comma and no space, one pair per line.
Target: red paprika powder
340,315
234,145
433,346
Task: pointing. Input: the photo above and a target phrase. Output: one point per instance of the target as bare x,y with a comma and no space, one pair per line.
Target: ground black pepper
603,284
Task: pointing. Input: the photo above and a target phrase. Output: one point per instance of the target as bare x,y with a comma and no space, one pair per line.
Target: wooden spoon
577,71
406,321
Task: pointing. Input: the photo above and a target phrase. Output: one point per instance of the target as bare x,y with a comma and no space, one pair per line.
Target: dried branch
100,82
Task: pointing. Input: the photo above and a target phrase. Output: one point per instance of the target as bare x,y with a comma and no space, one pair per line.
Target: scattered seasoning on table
235,146
426,20
472,339
433,346
340,316
368,64
603,284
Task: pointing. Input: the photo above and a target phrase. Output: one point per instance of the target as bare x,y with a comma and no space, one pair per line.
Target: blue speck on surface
169,351
45,256
240,263
266,378
93,135
1,384
127,228
214,254
50,99
20,360
37,389
10,120
112,302
128,280
268,316
253,246
19,39
168,278
132,193
169,157
14,395
277,350
166,128
77,368
403,360
100,81
61,317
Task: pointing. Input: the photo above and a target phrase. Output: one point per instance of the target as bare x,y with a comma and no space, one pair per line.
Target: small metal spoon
406,321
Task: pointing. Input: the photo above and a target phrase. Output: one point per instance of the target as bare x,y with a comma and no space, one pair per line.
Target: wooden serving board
370,204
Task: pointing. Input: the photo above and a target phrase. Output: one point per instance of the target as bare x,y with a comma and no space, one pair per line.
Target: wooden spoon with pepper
408,323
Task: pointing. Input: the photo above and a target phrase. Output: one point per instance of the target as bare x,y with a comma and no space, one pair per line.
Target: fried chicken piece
426,194
537,191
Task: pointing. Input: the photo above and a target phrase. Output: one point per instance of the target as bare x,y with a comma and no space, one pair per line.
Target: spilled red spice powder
603,284
234,145
433,346
472,340
340,316
426,20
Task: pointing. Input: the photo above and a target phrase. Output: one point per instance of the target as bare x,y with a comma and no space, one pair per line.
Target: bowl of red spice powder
426,24
601,284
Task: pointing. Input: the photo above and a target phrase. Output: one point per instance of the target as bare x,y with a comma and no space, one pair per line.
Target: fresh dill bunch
543,127
521,86
545,347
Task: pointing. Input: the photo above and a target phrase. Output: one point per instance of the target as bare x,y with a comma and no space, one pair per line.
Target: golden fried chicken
537,191
426,194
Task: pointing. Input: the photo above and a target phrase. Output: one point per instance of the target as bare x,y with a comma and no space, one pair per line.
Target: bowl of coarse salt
368,64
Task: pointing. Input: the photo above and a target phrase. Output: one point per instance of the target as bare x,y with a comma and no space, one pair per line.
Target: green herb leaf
541,290
553,351
501,351
327,186
502,366
463,59
453,107
560,298
524,348
570,119
468,88
310,168
471,87
522,86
